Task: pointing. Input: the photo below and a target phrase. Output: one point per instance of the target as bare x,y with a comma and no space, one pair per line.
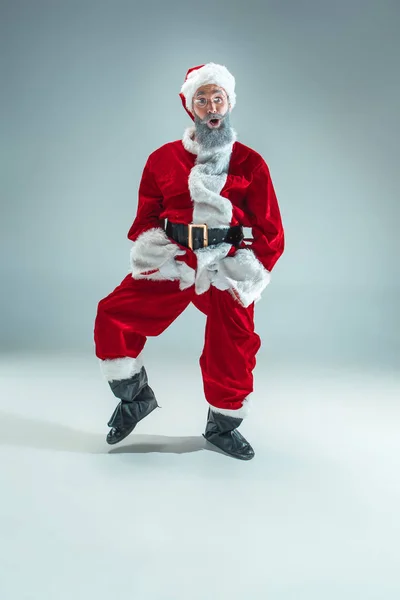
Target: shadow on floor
16,430
162,443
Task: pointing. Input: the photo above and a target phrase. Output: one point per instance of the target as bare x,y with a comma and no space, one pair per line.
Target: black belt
196,236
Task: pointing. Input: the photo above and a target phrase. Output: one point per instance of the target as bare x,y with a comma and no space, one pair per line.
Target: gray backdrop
90,88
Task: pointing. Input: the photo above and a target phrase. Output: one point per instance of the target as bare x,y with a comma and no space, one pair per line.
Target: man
195,197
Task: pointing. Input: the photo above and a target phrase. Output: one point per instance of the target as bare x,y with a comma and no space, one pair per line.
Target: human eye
200,101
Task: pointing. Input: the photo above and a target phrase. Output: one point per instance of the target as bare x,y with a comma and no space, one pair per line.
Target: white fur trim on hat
209,73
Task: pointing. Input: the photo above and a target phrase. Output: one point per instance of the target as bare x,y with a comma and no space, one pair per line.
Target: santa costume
188,246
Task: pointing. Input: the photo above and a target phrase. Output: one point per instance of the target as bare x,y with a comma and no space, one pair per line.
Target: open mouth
214,123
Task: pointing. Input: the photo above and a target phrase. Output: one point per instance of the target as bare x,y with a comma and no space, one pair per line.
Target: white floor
315,516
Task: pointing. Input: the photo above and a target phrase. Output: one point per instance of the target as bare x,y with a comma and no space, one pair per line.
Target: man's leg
135,310
227,363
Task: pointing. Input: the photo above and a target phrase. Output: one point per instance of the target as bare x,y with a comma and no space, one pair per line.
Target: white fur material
207,265
116,369
154,251
177,269
208,206
206,181
240,413
151,250
209,73
189,142
244,274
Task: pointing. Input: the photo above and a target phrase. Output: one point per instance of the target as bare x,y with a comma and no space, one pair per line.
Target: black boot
221,431
137,401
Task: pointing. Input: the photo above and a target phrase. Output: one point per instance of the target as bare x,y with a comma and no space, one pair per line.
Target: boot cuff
239,413
116,369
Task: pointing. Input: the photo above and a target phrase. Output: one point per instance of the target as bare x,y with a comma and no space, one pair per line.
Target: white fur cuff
244,274
240,413
115,369
152,256
151,250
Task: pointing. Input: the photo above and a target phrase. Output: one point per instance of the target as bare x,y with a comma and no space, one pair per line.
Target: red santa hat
203,75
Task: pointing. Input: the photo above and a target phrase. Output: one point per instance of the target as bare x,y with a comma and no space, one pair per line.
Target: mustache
211,118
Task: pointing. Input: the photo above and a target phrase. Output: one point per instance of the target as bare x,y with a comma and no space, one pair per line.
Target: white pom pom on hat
203,75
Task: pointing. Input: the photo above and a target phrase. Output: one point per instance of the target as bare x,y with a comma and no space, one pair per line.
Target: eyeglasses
202,102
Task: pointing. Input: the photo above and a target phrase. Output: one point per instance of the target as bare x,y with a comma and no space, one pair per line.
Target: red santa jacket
169,187
164,194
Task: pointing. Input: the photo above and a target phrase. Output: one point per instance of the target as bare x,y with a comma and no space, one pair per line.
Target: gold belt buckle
190,234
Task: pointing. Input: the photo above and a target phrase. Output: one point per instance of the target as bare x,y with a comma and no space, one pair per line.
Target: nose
212,108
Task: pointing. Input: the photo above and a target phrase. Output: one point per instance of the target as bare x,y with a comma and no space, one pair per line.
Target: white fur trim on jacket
240,413
206,181
209,73
154,251
244,274
115,369
208,205
189,142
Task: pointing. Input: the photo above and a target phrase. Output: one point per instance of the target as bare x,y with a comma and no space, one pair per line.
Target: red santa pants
137,309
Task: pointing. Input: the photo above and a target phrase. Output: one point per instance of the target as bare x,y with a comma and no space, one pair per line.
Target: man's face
211,101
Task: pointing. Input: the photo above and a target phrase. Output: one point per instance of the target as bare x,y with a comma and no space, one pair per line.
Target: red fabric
137,309
182,97
164,194
193,69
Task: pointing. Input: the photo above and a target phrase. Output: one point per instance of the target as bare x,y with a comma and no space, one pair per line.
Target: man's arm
263,210
153,254
149,204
